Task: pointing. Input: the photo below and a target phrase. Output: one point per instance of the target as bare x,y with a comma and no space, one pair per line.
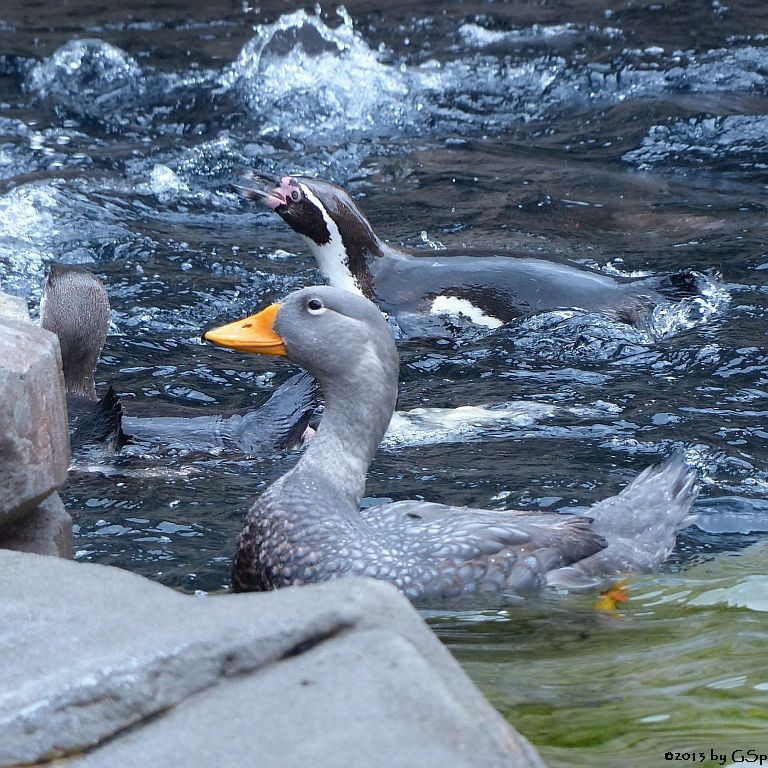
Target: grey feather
641,522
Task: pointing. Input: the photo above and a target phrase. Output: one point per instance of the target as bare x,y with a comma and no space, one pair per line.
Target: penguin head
316,209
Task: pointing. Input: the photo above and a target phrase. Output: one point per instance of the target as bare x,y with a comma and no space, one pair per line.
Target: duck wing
97,424
449,551
280,422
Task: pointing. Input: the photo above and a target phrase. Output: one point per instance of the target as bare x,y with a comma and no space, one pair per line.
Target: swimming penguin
488,288
75,306
308,525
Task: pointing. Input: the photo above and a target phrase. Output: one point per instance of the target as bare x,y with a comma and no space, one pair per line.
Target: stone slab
34,436
92,654
46,530
368,698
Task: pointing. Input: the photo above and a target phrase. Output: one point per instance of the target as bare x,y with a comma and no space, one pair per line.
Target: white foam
674,317
165,183
425,426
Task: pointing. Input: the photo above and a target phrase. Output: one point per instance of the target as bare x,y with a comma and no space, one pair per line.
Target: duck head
334,228
75,307
340,338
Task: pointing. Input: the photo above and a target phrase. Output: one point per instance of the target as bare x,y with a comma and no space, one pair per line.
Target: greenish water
680,667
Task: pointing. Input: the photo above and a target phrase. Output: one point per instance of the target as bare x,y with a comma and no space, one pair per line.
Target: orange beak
251,334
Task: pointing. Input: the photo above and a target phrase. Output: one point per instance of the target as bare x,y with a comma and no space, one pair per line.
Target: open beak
262,189
251,334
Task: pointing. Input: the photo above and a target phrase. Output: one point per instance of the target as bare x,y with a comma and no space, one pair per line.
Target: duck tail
103,426
640,523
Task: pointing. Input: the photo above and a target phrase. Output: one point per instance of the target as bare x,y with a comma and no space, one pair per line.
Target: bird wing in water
101,425
280,422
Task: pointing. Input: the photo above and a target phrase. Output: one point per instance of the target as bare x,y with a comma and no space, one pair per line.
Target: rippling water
633,139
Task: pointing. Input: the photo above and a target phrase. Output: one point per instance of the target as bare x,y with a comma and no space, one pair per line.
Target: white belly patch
452,305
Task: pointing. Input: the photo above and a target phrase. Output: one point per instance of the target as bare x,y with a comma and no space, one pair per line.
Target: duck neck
355,419
78,359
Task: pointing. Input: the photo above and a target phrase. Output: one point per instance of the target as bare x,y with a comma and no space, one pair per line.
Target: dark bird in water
422,290
75,306
308,525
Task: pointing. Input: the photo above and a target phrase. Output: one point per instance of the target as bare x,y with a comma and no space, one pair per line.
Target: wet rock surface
319,675
46,530
34,440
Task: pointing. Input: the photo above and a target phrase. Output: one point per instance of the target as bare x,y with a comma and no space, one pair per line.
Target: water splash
668,319
435,245
429,426
424,426
90,78
302,79
722,70
576,337
42,221
735,139
481,37
94,82
26,213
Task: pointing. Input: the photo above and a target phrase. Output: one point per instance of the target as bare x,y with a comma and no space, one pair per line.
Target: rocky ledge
109,668
34,437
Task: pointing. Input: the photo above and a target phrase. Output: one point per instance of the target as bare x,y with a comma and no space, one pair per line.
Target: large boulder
34,439
111,669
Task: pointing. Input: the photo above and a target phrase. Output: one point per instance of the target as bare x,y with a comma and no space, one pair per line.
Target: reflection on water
676,667
631,139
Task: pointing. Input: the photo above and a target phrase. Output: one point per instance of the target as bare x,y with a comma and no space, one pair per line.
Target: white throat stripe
331,258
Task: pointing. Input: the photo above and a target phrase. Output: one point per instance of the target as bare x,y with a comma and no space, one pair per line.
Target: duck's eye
295,195
315,306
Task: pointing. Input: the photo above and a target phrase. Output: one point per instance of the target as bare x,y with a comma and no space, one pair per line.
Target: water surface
633,139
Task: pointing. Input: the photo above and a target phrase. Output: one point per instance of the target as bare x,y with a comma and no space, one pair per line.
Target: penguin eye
315,307
295,195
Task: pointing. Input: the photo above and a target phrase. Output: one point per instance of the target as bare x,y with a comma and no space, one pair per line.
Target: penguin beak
251,334
262,189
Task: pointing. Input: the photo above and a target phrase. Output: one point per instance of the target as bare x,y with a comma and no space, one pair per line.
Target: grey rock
13,307
343,673
369,698
46,530
34,436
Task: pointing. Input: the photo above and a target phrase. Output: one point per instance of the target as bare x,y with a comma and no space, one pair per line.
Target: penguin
483,287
